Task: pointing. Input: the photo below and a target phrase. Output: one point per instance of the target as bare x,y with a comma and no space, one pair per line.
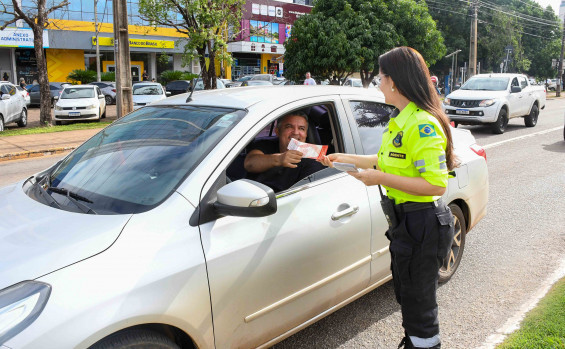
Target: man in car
271,163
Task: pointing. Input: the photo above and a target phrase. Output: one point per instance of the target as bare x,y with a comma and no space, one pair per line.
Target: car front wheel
108,99
451,262
500,125
136,339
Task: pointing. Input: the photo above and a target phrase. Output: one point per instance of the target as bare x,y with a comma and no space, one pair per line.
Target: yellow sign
105,41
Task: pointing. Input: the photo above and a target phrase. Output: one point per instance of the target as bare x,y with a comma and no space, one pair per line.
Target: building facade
70,43
265,26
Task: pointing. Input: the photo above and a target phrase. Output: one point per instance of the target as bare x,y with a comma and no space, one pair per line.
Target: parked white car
80,102
13,106
493,99
150,229
24,94
147,92
355,82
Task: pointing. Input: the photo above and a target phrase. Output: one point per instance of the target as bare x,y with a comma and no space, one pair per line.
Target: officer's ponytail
409,72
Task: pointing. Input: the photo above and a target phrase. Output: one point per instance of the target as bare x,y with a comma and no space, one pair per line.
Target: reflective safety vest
413,145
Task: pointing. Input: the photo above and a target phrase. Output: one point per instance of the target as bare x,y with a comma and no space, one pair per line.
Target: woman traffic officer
412,164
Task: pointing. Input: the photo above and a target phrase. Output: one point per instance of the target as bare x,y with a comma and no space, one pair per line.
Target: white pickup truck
494,99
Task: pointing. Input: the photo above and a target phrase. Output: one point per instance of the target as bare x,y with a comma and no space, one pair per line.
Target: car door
527,97
101,100
515,99
369,119
270,274
10,103
34,94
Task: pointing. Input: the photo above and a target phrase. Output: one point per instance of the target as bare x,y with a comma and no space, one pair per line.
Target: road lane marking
492,145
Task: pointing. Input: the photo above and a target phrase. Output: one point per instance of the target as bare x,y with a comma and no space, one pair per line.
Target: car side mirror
56,98
5,96
515,89
245,198
168,93
100,96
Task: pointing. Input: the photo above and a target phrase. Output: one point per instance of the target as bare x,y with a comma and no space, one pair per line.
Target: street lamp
453,56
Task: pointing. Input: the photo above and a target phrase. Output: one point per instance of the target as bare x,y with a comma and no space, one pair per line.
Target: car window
74,92
138,161
515,82
321,119
523,82
98,91
371,119
34,88
4,88
54,87
9,89
147,90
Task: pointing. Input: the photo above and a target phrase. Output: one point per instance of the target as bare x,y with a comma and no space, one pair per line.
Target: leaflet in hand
311,151
345,167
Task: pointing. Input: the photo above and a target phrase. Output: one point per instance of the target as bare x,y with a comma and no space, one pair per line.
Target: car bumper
479,115
84,114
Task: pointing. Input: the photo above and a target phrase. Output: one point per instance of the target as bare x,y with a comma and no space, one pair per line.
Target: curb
34,153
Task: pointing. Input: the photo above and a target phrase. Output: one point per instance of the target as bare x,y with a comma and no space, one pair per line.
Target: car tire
451,262
531,119
108,99
500,125
136,339
1,123
104,114
23,119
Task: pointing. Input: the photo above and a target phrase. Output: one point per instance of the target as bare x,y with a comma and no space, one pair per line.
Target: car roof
81,86
148,83
243,98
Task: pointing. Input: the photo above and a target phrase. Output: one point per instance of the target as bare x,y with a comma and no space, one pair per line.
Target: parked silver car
148,92
13,106
108,89
150,229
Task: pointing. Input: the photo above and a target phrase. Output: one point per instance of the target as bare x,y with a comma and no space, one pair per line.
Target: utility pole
473,44
96,31
124,98
560,73
453,56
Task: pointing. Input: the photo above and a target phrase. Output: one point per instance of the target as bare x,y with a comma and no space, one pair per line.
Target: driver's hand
290,158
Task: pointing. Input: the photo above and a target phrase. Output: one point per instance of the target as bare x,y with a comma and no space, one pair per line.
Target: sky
554,3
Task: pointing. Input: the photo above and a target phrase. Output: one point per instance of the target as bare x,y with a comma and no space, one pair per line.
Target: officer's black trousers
418,246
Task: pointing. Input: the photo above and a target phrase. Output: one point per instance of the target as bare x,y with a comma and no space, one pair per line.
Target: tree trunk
208,75
44,90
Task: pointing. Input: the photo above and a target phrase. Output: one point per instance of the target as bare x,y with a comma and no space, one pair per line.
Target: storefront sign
106,41
20,38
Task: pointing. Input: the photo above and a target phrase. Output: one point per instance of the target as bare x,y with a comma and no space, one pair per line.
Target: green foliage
82,76
340,37
171,75
108,76
544,326
205,24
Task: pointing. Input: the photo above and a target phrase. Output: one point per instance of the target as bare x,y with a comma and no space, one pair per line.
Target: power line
513,13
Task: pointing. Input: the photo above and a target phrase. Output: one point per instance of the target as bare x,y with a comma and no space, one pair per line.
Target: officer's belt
415,206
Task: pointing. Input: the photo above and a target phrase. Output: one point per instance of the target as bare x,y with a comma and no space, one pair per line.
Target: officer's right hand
329,159
290,158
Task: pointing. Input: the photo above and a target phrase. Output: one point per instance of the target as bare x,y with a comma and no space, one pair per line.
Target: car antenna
189,99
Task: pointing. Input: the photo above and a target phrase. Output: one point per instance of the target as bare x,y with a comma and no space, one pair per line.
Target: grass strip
61,128
544,326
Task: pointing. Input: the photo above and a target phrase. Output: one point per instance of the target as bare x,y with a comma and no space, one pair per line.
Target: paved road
508,256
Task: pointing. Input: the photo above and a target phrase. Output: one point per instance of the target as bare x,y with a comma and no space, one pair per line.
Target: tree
205,24
360,31
37,18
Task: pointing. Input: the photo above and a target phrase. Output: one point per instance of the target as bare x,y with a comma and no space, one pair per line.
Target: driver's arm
256,161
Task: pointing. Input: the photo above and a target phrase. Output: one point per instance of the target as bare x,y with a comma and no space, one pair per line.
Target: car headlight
487,103
58,107
447,101
20,305
91,106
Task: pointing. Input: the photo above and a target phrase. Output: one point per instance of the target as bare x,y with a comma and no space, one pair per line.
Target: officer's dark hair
409,72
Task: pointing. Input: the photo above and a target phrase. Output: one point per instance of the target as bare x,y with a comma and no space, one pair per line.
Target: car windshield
137,162
73,93
245,78
486,84
147,90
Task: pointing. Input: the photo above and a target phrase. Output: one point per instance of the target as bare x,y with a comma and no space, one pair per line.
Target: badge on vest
397,141
396,155
427,130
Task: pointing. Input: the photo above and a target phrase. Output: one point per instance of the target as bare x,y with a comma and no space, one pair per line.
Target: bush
171,75
108,76
82,76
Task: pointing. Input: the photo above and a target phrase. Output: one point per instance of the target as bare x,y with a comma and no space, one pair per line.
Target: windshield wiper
74,198
46,196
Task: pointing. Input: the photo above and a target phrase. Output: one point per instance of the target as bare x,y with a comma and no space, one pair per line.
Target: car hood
36,239
147,98
79,102
474,94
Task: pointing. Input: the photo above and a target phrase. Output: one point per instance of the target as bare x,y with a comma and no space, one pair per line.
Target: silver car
150,232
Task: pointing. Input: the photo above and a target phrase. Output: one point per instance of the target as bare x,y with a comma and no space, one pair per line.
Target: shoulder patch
427,130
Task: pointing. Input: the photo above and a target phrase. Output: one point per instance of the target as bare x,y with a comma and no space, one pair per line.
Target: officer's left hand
368,177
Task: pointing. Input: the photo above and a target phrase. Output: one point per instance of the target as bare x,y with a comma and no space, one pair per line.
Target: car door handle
345,213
